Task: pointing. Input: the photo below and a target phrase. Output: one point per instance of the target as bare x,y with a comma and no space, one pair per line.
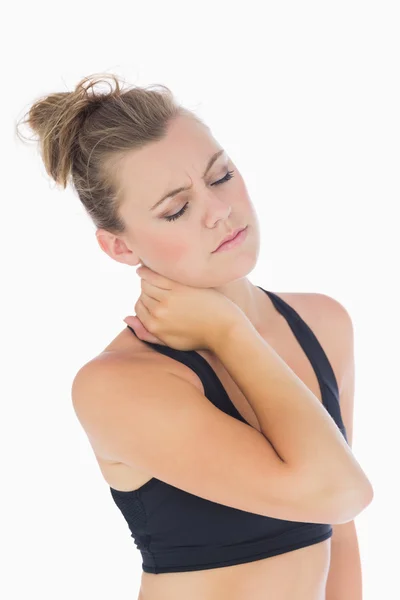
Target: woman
215,415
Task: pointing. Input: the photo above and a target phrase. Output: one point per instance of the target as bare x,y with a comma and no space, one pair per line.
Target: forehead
146,173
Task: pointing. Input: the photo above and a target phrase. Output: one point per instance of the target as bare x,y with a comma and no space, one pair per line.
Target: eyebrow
182,189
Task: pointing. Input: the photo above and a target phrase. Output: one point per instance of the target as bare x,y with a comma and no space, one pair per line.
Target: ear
116,248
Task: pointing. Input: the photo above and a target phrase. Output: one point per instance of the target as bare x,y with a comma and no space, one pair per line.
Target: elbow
349,503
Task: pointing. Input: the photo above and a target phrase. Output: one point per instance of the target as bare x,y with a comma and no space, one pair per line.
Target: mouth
232,240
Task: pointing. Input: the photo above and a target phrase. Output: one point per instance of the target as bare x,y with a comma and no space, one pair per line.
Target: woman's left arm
345,575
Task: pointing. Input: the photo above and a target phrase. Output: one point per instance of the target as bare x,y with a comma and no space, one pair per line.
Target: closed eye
227,177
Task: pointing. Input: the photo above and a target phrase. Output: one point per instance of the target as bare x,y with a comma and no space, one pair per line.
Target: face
177,237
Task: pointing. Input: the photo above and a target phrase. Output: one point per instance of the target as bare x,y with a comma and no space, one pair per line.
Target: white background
304,96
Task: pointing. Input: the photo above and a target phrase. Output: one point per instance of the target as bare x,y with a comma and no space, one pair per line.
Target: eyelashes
227,177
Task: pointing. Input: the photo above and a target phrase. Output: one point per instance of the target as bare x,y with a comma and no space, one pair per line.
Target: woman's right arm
293,420
136,412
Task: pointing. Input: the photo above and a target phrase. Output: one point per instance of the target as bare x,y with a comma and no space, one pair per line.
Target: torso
266,578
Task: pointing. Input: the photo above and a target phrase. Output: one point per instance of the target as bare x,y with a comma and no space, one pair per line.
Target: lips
230,237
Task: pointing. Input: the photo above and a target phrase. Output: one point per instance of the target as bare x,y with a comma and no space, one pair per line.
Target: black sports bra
177,531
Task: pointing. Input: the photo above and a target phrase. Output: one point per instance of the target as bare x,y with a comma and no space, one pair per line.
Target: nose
218,209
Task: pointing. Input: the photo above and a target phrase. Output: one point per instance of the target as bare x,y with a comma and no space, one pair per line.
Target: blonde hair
83,135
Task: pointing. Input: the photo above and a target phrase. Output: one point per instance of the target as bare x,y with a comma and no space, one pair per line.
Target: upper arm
347,375
337,331
161,423
343,362
340,346
333,326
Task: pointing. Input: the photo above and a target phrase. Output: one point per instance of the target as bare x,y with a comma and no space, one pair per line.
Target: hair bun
85,133
57,119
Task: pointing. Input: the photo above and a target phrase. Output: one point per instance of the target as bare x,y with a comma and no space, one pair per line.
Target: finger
153,291
142,313
129,319
149,302
132,320
141,332
155,278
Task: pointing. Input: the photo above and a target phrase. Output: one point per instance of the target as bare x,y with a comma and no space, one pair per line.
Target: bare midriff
297,575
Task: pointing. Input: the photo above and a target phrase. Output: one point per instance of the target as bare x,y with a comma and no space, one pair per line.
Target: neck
252,301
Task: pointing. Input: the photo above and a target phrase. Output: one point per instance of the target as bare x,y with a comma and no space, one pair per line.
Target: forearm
293,420
345,575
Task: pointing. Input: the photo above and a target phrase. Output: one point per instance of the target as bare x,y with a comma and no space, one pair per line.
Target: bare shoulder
320,307
125,348
125,353
116,369
331,323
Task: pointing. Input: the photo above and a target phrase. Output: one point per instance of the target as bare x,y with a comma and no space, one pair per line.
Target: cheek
172,251
167,251
172,259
